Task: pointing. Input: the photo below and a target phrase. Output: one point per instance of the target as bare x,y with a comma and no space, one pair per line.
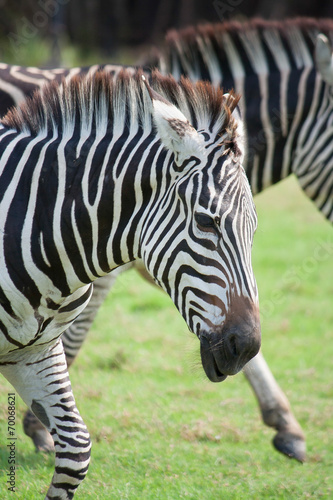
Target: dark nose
225,352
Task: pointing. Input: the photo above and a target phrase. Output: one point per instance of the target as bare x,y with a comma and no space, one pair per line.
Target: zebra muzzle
226,353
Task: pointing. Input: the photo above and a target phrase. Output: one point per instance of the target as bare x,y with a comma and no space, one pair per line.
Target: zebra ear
324,58
175,131
229,100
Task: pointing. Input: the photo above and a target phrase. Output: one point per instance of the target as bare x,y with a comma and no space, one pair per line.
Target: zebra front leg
41,378
72,339
275,409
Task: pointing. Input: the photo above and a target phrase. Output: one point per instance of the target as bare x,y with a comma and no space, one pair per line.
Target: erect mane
215,30
91,99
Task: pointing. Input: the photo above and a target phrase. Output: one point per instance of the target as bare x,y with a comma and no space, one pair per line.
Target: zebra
285,105
98,172
275,66
19,82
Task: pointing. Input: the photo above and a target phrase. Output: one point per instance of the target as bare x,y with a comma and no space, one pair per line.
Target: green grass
160,429
19,48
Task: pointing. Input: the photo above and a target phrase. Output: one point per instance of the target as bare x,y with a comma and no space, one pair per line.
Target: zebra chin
226,352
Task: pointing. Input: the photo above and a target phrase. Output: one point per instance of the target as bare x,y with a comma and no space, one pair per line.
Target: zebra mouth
209,363
216,375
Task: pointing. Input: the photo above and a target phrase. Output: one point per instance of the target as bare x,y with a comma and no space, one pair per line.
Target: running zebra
286,106
96,173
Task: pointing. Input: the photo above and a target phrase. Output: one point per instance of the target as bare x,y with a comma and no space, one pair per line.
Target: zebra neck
107,191
76,208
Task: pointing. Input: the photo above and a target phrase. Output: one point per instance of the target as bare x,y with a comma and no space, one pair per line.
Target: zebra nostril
232,341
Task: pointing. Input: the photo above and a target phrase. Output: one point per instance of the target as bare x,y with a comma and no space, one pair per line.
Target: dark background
106,27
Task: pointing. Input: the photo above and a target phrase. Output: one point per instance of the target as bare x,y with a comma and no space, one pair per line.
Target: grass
160,429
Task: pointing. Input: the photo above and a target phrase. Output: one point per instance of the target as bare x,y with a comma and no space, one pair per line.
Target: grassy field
160,429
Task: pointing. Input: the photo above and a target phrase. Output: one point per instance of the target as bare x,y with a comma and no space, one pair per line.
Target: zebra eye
207,223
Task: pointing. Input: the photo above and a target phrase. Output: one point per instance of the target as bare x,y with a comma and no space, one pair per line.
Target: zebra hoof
291,445
36,431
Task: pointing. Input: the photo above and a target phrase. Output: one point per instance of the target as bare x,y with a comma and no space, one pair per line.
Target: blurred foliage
40,31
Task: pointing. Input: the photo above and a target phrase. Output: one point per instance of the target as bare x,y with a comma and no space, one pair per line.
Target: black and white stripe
99,172
272,66
286,104
19,82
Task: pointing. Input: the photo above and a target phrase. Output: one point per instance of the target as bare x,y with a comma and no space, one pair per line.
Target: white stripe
39,277
15,93
267,129
287,152
72,72
9,149
71,276
300,51
238,74
44,73
211,61
313,114
15,72
80,244
189,68
92,70
138,193
42,248
254,49
255,174
273,40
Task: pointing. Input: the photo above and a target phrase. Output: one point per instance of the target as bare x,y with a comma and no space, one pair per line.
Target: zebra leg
275,409
34,428
72,339
41,378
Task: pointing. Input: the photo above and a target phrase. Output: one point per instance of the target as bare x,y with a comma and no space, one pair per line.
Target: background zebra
19,82
285,103
87,184
284,97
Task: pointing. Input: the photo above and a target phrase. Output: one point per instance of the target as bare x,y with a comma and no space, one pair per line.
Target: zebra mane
101,100
186,40
215,29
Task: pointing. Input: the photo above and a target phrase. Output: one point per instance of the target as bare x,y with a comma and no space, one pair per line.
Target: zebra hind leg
40,436
42,381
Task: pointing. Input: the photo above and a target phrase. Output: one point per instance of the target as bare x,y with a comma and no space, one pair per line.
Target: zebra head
197,241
